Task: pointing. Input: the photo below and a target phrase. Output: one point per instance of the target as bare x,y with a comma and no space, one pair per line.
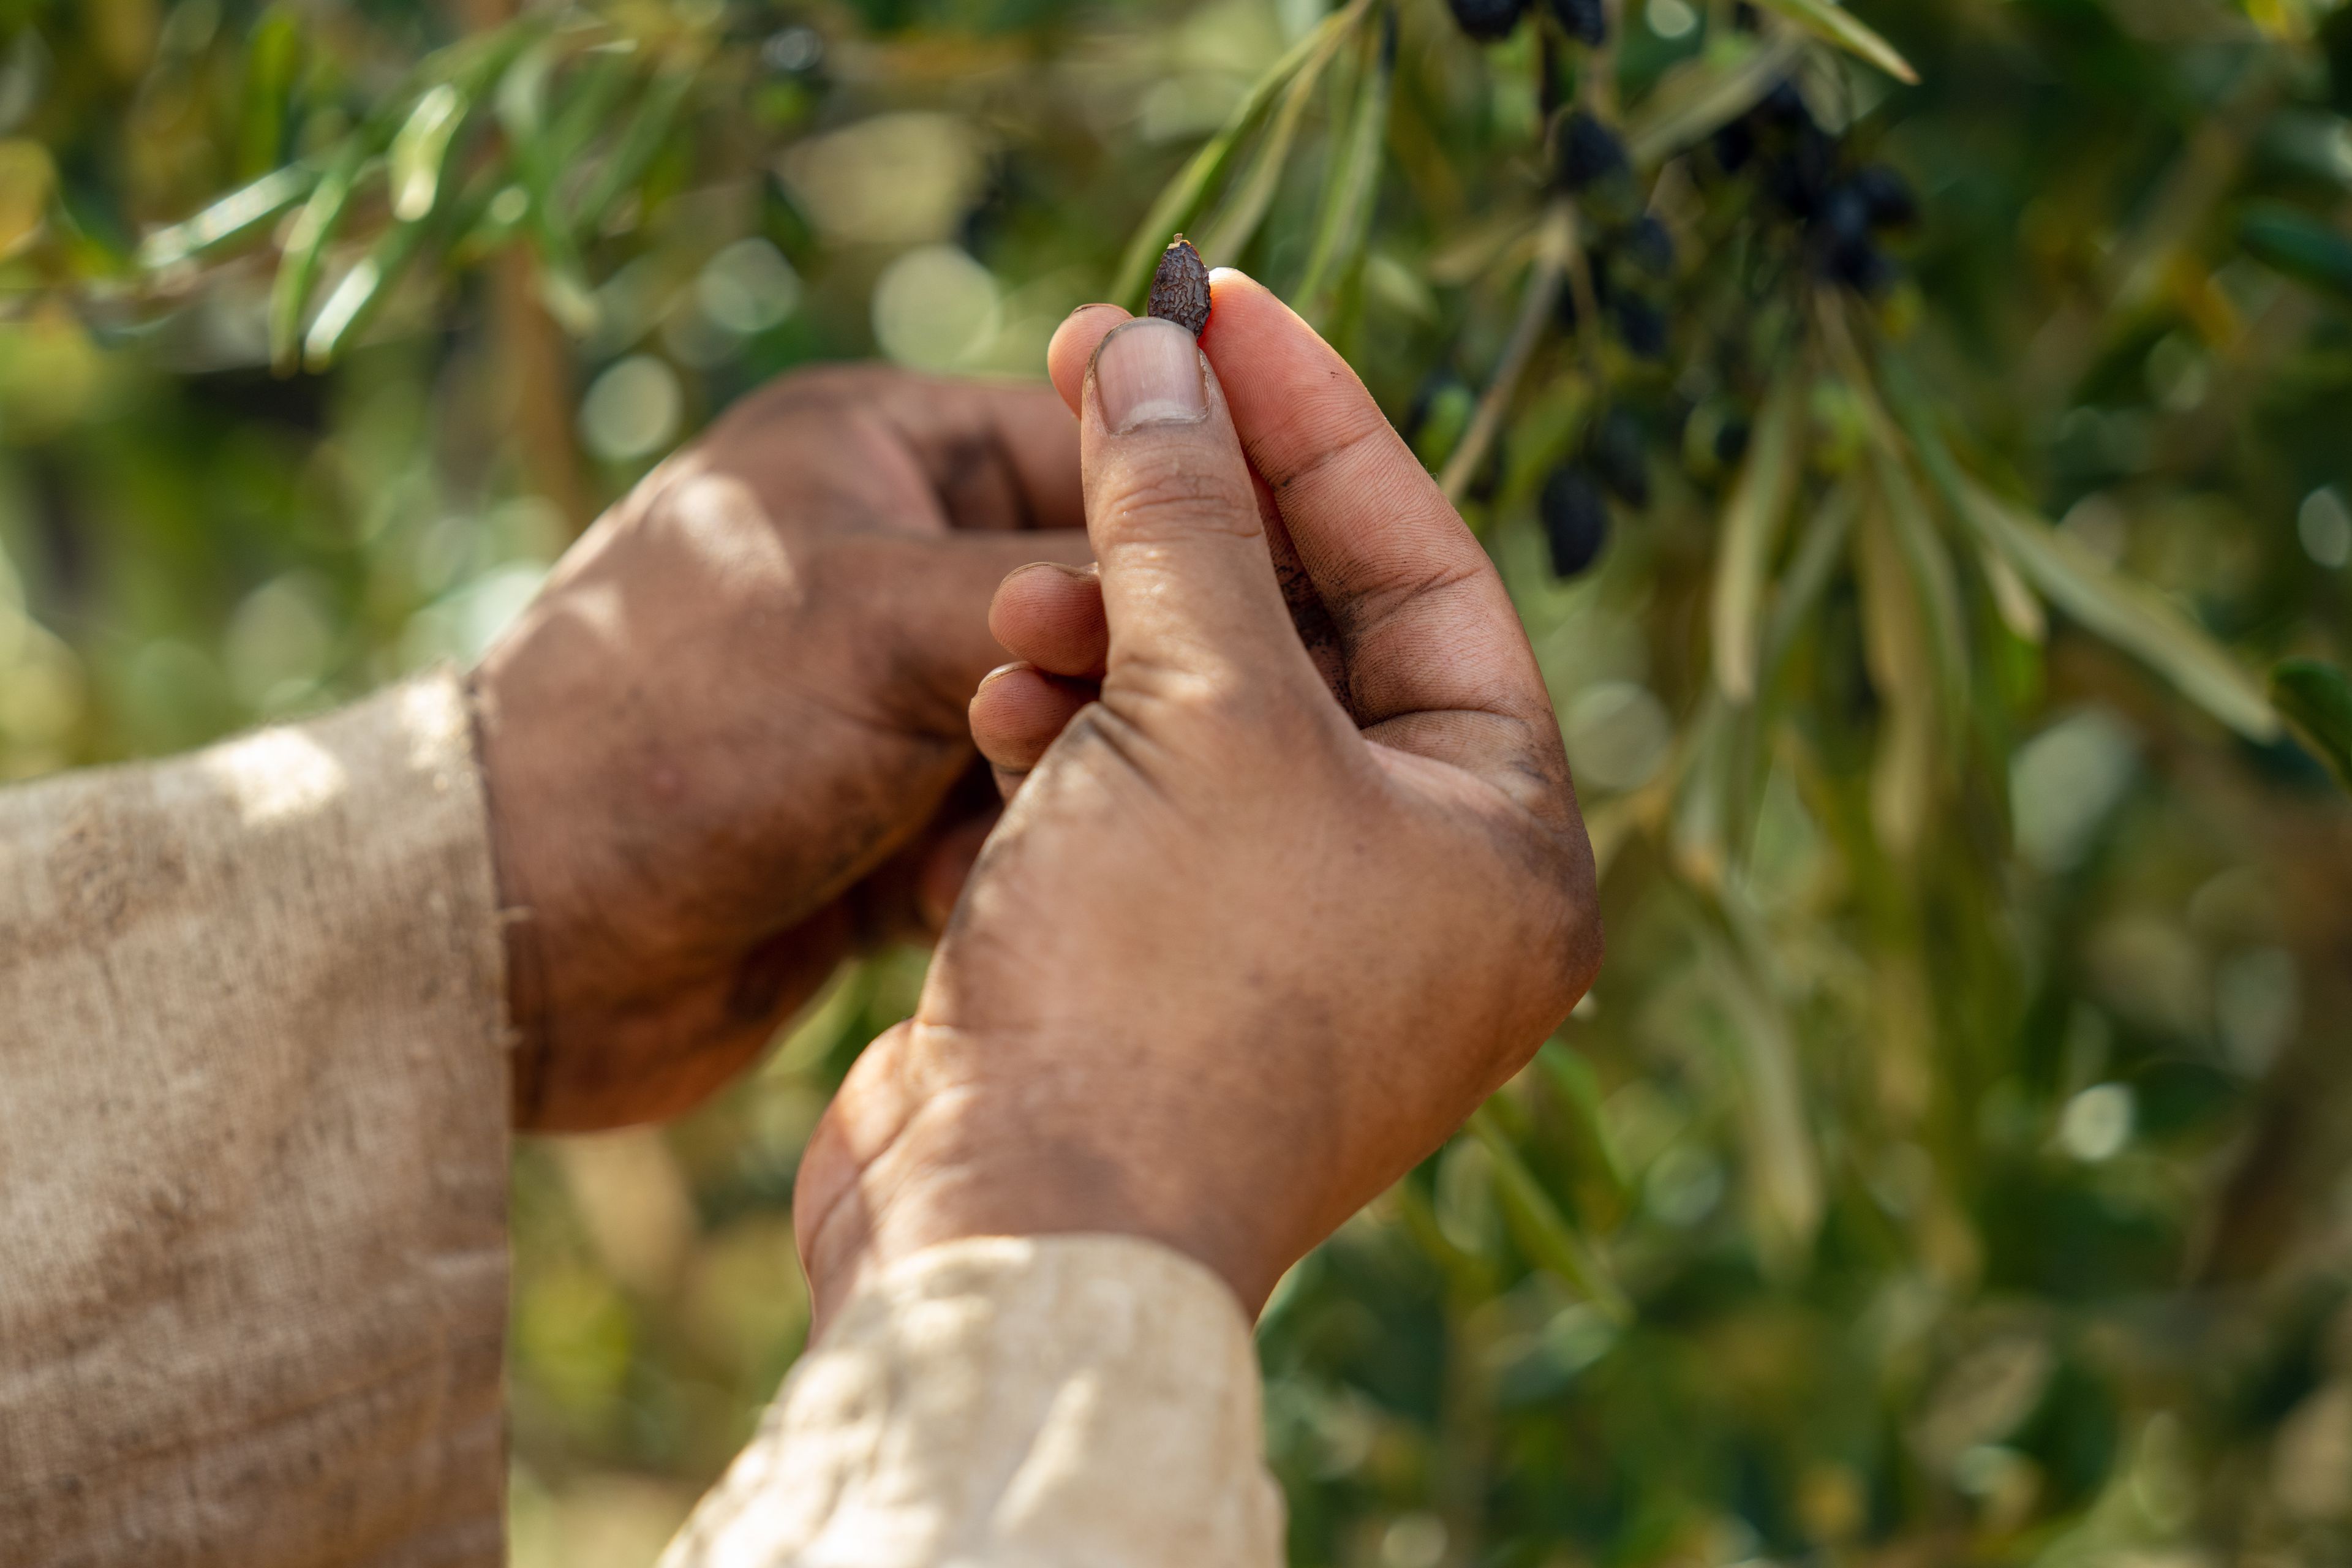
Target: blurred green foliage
1951,1163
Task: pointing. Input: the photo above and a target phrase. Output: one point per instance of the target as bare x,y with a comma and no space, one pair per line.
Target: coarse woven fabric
252,1153
1052,1402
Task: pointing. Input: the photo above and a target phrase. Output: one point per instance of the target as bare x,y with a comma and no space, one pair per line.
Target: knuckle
1168,495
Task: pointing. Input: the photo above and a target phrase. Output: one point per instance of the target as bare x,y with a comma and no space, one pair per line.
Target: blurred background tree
1919,439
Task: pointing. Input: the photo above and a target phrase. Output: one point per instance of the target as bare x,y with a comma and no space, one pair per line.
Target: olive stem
1555,252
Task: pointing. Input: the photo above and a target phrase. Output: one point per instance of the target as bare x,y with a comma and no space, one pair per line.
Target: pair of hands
1291,875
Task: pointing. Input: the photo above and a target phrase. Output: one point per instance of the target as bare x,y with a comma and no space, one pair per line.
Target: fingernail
1149,373
1004,669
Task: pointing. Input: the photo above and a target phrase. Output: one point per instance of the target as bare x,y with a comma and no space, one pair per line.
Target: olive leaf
2128,614
1833,22
1354,182
1784,1167
2302,247
2317,701
1181,199
1244,207
1541,1229
1700,96
1751,528
241,213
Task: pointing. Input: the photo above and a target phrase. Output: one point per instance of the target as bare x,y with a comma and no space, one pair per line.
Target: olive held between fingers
1487,20
1180,288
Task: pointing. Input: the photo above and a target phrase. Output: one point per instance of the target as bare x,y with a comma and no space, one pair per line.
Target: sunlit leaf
233,218
421,149
297,268
1180,203
1703,94
1354,180
2317,701
1840,27
1244,208
2129,613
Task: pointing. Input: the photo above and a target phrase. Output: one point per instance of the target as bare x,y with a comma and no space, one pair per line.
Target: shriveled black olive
1180,288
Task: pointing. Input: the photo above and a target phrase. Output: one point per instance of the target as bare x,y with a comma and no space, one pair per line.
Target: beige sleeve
1051,1401
252,1153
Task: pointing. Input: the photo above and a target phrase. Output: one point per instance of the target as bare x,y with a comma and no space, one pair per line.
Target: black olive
1859,264
1640,326
1620,459
1587,153
1487,20
1887,196
1784,105
1800,179
1735,147
1586,21
1650,247
1731,442
1575,521
1845,216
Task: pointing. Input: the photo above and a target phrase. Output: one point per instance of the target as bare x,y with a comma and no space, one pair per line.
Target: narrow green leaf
422,149
1935,585
1181,201
1550,1240
2317,699
2299,245
1354,184
1818,549
1243,210
297,268
2128,614
1703,94
634,149
1784,1169
1833,22
1751,528
354,301
1573,1080
234,217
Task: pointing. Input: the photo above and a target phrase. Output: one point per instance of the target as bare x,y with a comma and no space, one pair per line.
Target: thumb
1187,582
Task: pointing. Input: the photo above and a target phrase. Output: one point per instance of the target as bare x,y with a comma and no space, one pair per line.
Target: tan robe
253,1267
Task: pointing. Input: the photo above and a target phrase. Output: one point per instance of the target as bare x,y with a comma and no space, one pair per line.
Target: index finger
1421,614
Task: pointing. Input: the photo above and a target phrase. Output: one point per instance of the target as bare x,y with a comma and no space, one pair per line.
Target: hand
725,744
1256,933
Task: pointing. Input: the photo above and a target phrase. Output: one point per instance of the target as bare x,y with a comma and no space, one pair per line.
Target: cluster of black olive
1487,20
1842,211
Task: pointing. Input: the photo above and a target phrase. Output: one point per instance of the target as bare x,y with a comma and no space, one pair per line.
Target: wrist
884,1179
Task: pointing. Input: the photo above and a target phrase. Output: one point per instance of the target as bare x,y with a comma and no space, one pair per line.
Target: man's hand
1264,922
725,745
